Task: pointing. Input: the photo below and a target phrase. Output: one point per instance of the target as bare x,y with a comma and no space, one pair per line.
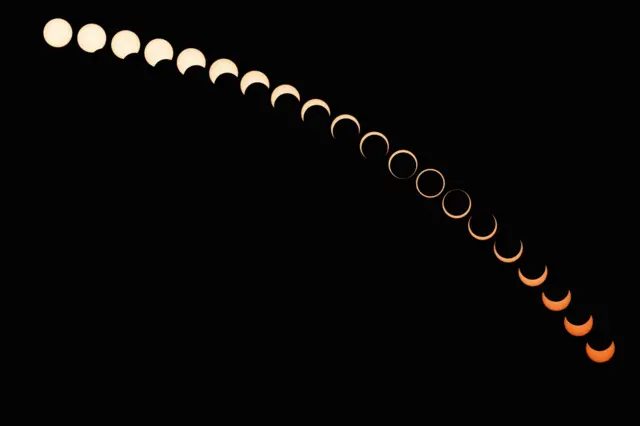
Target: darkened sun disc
436,195
284,89
253,77
455,216
533,282
190,57
365,137
557,306
222,66
510,259
601,356
405,152
485,237
344,117
578,330
312,103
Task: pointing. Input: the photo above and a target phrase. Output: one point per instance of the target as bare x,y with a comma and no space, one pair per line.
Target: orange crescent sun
578,330
601,356
456,216
557,306
534,282
508,259
486,237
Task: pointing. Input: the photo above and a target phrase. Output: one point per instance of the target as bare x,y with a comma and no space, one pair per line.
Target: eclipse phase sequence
91,37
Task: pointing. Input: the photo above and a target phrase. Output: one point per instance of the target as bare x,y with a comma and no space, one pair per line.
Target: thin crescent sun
386,141
222,66
344,117
315,102
253,77
284,89
534,282
601,356
556,306
486,237
578,330
456,216
508,259
409,153
418,183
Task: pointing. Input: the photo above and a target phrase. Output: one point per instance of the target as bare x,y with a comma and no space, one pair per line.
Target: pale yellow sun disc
92,38
125,43
57,32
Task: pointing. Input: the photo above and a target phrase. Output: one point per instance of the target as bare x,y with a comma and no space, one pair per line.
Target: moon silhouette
190,58
578,330
158,50
418,183
92,38
253,77
453,216
409,153
222,66
125,43
344,117
364,138
315,102
558,306
486,237
533,282
284,89
512,259
57,32
601,356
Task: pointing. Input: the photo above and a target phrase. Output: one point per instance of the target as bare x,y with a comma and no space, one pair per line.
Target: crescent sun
158,50
601,356
284,89
315,102
578,330
418,183
486,237
222,66
410,154
534,282
364,138
558,306
508,259
190,58
253,77
454,216
344,117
